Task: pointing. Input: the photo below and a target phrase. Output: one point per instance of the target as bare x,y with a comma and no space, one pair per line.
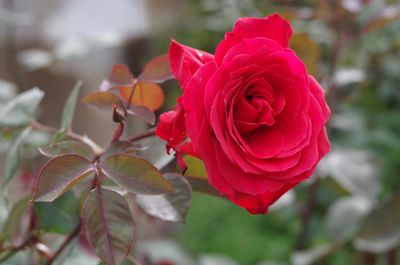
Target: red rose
252,112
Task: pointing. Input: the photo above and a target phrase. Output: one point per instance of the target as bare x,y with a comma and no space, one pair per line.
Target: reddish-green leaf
103,100
135,174
157,70
120,74
143,112
118,148
60,174
146,94
202,185
108,224
168,207
66,147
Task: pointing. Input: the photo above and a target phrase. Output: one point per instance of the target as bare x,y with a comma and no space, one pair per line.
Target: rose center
256,107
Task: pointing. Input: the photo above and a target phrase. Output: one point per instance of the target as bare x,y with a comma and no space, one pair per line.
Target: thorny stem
81,138
66,242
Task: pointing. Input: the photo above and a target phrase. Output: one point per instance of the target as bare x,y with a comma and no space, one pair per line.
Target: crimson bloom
251,112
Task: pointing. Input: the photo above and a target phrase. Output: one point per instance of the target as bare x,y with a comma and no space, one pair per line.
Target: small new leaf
103,100
135,174
60,174
169,207
121,75
157,70
108,224
146,94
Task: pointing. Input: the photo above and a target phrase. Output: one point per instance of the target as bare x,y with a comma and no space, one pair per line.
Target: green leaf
67,147
13,222
361,180
344,217
108,224
59,174
22,109
380,229
215,259
69,107
169,207
195,167
311,256
157,70
8,90
60,216
135,174
12,159
103,100
58,137
142,112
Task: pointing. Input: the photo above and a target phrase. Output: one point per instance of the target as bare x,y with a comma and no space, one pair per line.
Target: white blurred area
53,20
53,43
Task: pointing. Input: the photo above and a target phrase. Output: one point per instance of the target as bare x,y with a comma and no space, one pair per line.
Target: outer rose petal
272,27
185,61
318,93
171,126
261,202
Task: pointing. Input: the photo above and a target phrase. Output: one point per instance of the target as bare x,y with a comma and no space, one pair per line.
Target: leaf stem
149,133
306,214
135,82
74,233
81,138
14,249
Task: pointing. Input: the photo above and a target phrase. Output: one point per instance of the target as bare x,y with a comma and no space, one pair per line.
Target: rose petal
193,98
185,61
273,27
260,203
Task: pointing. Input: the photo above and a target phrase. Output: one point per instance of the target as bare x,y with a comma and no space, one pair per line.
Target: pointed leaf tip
135,174
59,174
108,224
157,70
